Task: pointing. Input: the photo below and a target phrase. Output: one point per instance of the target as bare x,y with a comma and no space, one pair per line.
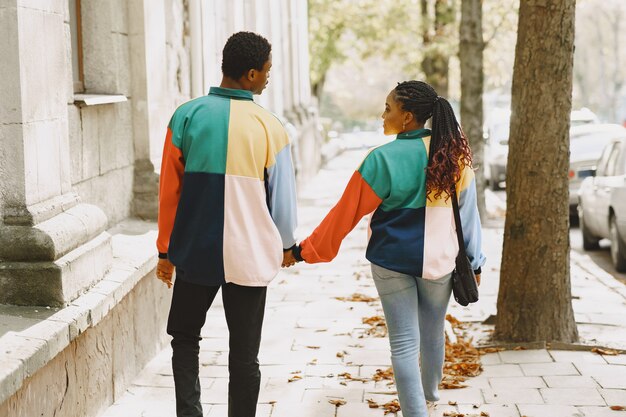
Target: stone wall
101,136
96,367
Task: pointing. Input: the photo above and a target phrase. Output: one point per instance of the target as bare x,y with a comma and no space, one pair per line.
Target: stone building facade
87,89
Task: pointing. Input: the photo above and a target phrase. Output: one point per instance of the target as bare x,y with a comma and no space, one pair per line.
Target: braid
449,150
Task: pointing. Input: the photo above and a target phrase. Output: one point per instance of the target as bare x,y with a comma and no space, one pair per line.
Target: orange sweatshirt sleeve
170,185
357,200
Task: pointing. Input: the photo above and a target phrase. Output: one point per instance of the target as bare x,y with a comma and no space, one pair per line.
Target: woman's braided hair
449,150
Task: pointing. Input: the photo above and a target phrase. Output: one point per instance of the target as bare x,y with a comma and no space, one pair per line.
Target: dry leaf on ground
617,408
484,351
294,378
607,352
372,404
337,403
462,360
391,407
357,297
378,327
381,375
347,376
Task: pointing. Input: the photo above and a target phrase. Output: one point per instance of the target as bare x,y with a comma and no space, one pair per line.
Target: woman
407,183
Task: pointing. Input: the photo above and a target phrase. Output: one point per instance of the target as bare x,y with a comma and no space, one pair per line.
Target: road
601,257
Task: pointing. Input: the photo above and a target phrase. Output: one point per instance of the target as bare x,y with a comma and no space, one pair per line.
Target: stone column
52,247
146,21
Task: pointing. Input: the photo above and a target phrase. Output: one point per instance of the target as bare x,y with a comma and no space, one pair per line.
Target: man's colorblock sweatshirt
409,233
227,199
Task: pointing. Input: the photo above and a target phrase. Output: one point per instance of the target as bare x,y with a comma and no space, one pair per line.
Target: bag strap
457,221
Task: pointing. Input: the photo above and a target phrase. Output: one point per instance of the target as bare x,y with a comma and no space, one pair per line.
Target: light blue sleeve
470,222
282,196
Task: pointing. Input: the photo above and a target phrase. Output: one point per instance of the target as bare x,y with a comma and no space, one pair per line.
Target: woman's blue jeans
415,312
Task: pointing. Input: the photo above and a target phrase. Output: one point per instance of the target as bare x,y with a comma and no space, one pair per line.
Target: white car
602,201
586,145
496,135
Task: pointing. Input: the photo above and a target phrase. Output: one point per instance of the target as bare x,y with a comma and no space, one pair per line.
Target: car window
616,164
588,147
604,159
612,162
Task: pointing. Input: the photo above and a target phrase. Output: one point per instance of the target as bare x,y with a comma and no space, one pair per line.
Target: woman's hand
288,259
164,271
478,280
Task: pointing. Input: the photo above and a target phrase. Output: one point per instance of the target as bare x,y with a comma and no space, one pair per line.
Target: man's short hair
244,51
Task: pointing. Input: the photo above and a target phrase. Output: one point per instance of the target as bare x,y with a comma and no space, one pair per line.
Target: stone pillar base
53,262
146,191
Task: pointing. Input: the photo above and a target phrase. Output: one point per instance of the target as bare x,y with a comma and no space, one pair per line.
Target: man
227,214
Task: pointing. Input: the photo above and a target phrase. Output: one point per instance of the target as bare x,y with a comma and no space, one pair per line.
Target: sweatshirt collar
231,93
414,134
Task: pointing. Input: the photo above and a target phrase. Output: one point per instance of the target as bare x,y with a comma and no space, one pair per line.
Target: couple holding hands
227,204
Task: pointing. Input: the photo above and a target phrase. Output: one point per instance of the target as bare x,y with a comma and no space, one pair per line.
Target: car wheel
590,242
618,247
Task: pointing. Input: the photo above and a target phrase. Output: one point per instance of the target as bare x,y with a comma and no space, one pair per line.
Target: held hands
288,259
164,271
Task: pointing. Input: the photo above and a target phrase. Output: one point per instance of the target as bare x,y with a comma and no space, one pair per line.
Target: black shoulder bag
464,286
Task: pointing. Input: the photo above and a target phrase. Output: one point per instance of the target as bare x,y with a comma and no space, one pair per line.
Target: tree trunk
435,63
534,300
471,58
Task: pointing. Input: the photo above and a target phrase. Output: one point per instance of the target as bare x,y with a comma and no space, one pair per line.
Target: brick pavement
311,335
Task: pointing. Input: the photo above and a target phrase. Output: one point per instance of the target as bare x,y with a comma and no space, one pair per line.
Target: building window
77,46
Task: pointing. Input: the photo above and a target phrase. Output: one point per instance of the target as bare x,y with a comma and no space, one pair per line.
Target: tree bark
534,300
471,59
435,63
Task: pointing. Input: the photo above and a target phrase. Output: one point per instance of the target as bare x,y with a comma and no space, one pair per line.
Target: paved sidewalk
312,338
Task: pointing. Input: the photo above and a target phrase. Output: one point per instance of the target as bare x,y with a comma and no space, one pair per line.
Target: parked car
496,136
586,145
602,200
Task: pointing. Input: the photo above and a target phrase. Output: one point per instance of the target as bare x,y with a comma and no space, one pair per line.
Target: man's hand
164,271
288,259
478,280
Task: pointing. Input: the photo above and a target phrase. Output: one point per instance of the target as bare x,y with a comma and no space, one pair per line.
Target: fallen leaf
337,403
347,376
294,378
392,407
378,327
372,404
617,408
608,352
484,414
484,351
451,402
381,375
357,297
313,347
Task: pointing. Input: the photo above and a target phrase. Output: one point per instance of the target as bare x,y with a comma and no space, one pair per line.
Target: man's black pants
244,308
